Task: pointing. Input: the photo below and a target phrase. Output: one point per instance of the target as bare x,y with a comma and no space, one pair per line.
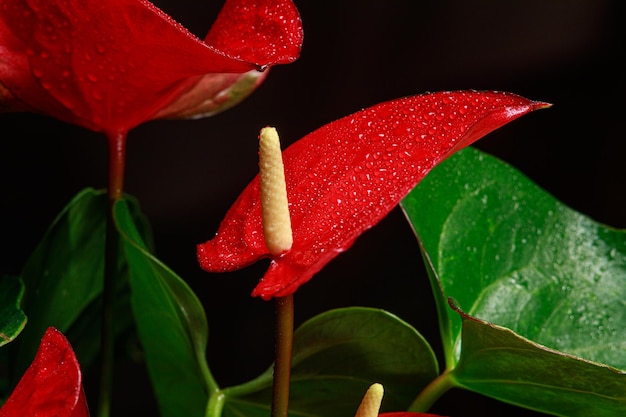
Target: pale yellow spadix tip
273,189
370,405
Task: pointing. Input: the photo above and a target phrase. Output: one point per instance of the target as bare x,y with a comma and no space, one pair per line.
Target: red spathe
346,176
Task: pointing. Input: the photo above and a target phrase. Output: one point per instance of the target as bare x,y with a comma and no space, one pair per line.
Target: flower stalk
117,157
282,356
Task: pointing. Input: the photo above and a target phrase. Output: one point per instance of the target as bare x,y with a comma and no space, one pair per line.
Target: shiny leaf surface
538,288
337,355
171,323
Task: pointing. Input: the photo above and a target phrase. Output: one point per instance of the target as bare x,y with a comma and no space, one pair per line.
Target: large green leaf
12,318
64,274
543,288
171,323
63,280
531,375
336,356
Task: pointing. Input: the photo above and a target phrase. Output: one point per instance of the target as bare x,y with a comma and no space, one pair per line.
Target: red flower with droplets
52,385
346,176
110,65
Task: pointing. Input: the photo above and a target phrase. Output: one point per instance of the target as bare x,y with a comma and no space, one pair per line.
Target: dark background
356,53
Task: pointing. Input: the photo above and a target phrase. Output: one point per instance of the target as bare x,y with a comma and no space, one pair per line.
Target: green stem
282,362
117,156
432,392
216,404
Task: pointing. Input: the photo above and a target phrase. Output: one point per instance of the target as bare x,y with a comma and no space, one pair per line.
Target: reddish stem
283,352
117,158
117,162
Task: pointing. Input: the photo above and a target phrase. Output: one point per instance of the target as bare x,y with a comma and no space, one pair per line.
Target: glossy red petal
346,176
106,65
52,385
261,31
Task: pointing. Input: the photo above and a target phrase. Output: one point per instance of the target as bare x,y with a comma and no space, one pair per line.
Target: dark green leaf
172,326
12,318
64,273
63,280
12,321
511,254
531,375
337,356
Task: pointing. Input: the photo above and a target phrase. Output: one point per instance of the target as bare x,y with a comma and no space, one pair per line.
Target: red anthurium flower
346,176
52,385
110,65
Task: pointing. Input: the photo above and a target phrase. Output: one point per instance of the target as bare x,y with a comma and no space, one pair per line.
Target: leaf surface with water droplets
538,288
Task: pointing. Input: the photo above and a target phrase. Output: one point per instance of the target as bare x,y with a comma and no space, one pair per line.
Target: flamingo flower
346,176
110,65
52,385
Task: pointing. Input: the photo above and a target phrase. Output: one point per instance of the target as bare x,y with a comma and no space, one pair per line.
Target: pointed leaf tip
346,176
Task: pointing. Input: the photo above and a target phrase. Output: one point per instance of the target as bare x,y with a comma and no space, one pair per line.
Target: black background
356,53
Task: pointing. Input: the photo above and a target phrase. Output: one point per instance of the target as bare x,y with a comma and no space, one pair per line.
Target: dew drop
96,94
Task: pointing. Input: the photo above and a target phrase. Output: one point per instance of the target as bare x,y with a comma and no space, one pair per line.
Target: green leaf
172,326
531,375
63,281
542,287
12,321
64,273
12,318
336,356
